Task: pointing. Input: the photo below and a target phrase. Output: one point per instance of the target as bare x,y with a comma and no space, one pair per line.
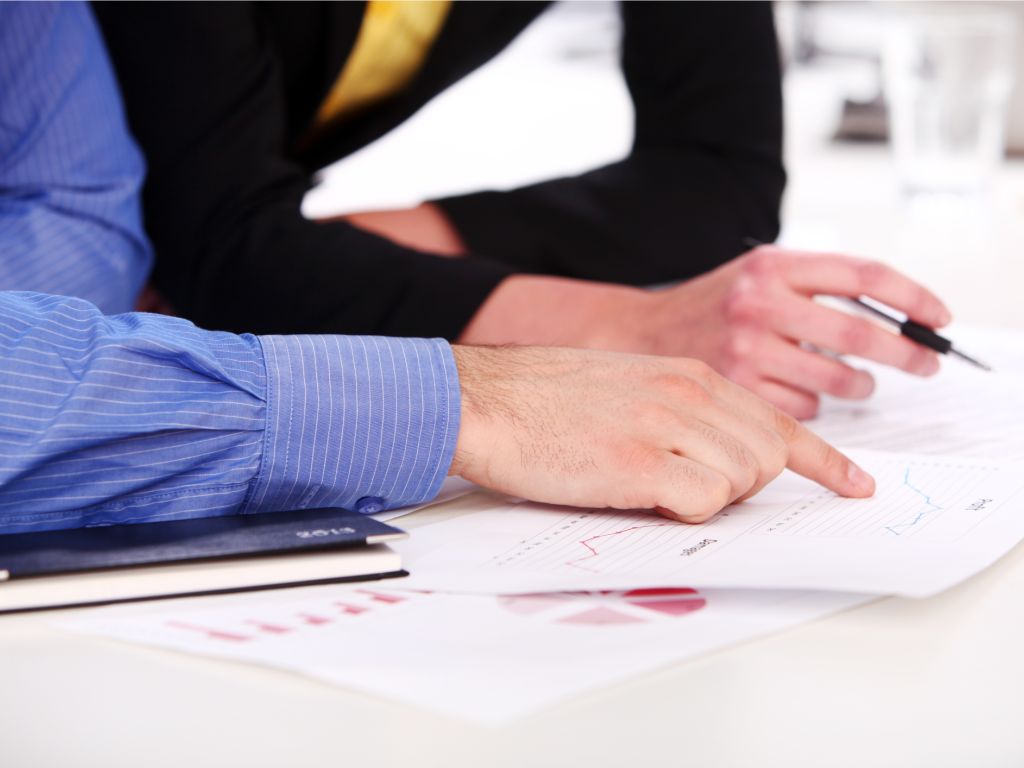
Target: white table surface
935,683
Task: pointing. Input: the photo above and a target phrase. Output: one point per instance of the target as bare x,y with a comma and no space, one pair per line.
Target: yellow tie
393,42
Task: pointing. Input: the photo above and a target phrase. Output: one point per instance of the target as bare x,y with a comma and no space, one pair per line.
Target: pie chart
634,606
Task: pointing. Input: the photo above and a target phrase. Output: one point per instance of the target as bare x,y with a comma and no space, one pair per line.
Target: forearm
139,417
705,169
658,216
51,250
70,219
256,265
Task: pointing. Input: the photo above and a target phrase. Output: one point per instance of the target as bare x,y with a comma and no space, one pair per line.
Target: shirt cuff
359,422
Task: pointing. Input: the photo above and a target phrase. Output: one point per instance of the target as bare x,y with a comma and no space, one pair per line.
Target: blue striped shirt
138,417
70,176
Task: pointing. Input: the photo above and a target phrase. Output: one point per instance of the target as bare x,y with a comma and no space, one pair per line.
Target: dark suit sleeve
202,84
705,170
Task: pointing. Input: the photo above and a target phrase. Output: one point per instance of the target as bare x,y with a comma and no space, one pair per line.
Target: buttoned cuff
352,418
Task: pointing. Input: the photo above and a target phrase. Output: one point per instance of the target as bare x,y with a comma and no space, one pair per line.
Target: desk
898,682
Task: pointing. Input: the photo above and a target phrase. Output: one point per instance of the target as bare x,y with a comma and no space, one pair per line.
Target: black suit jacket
222,96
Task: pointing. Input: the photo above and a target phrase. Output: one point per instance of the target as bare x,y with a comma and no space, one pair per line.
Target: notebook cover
118,546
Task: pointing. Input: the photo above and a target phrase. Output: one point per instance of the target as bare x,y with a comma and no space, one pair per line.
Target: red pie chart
634,606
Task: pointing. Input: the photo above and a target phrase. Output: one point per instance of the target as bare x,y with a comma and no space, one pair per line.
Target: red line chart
590,545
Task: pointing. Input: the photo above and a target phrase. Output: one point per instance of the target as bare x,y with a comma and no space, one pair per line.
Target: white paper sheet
933,522
1001,348
475,657
961,411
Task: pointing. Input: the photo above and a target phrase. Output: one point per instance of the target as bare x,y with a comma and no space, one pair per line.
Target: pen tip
973,361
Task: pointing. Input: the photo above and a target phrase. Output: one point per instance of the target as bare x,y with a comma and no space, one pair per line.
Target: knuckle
764,261
737,351
750,472
739,455
776,454
774,466
786,427
744,302
680,387
697,379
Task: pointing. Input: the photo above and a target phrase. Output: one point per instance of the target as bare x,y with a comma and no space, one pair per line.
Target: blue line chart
899,528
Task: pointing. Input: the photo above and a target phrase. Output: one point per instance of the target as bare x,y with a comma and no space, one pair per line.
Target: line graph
898,528
590,543
920,498
794,534
606,541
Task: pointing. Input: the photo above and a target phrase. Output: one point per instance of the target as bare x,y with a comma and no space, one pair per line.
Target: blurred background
904,135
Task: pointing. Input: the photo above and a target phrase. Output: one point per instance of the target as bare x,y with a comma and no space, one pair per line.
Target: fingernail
860,479
945,317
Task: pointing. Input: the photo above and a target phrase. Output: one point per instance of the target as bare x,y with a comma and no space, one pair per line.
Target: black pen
916,332
923,335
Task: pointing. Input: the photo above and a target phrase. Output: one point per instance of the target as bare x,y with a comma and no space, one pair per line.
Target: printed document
933,522
481,658
960,411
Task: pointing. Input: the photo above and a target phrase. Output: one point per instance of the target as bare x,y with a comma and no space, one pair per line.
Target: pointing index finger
808,454
817,460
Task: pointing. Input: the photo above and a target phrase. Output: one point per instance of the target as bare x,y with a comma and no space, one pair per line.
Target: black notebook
213,555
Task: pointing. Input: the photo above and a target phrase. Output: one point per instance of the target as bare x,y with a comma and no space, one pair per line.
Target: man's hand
751,319
602,429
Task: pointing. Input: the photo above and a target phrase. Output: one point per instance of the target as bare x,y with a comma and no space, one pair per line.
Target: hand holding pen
923,335
755,320
913,330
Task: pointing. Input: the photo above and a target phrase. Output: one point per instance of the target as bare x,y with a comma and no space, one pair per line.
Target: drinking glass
948,73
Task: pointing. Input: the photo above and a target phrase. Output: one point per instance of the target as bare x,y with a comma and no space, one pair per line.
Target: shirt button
370,505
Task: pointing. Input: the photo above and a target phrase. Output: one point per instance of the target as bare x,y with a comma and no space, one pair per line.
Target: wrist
557,311
425,228
472,364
